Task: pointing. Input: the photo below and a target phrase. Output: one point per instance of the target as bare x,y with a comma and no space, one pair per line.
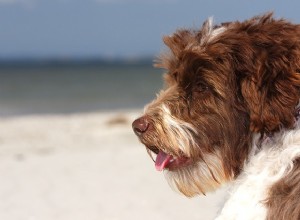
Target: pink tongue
162,160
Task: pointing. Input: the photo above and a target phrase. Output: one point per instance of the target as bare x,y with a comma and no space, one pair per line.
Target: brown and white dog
229,113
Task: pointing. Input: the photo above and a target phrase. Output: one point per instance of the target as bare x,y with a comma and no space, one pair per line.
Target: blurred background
73,75
65,56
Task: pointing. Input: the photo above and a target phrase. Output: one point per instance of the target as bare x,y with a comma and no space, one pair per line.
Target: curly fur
230,107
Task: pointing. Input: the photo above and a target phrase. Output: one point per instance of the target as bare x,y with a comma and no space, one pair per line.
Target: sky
114,28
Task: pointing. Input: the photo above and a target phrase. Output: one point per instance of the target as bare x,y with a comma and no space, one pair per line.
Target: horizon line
61,61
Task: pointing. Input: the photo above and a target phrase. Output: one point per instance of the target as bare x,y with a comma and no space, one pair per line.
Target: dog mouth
164,160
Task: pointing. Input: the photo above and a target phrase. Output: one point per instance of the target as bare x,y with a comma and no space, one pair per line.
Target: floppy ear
268,67
271,95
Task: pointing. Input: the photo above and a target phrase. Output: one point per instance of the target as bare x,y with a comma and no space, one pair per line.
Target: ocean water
62,88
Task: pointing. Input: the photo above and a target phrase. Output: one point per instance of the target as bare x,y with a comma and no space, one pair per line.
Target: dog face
223,84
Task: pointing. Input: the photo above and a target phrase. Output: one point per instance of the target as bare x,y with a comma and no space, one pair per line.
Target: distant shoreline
61,62
63,87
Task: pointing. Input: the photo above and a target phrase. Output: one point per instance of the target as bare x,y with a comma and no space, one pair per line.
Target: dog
229,114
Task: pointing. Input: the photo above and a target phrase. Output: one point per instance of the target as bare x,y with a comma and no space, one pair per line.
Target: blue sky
114,28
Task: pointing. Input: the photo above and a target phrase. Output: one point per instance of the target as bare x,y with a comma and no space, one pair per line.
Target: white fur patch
270,164
181,132
210,32
216,32
201,177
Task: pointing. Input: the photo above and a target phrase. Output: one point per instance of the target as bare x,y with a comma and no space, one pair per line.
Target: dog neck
267,137
270,160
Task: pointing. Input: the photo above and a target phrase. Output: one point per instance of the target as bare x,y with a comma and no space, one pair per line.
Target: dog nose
140,125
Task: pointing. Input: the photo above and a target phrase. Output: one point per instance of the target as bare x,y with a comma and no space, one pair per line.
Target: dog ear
271,95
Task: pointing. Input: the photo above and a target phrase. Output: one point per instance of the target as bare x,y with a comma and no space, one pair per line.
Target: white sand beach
86,166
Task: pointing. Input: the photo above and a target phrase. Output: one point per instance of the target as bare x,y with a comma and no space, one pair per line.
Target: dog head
223,85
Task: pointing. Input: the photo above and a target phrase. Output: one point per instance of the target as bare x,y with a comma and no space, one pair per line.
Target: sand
86,166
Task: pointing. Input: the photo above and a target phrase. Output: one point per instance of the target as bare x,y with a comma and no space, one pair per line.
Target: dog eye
201,87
